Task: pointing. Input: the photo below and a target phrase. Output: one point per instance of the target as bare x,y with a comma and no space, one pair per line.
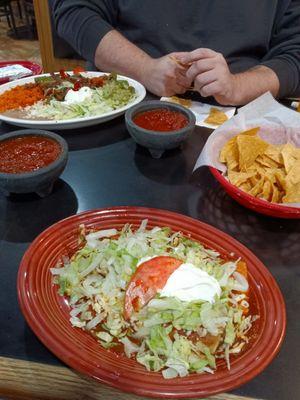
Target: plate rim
278,301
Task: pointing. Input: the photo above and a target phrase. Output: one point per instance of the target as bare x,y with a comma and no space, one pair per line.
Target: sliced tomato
149,277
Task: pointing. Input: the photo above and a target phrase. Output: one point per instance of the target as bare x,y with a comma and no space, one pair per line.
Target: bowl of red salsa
159,125
31,161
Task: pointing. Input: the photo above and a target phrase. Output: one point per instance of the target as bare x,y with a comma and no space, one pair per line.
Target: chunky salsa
27,153
161,119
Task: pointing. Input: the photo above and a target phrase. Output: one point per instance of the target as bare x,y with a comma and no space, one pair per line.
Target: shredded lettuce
167,334
115,93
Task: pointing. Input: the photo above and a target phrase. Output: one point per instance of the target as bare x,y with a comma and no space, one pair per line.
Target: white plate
75,122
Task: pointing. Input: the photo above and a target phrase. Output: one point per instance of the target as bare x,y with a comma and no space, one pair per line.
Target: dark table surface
106,168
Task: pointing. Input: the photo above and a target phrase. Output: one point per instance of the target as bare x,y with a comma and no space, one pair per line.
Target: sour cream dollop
189,283
77,96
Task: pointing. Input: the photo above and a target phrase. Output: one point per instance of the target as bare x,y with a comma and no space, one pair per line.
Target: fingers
195,55
199,67
174,89
178,78
183,80
176,57
180,89
207,69
204,79
212,89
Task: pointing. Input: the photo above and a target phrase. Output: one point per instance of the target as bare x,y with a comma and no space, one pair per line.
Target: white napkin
202,110
278,125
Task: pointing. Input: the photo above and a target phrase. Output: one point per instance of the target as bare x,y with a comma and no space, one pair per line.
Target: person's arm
83,23
211,76
89,27
283,56
161,76
278,72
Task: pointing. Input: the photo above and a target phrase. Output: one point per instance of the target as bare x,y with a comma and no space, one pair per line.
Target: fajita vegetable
173,305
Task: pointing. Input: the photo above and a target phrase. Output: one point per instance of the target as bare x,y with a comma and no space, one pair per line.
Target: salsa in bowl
159,125
31,161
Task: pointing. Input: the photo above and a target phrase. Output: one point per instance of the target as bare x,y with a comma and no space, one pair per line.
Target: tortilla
249,148
183,102
216,117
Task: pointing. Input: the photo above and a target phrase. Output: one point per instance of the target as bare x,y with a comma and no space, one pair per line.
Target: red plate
47,313
34,67
255,204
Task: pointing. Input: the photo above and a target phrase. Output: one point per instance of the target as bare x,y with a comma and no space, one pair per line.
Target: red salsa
161,119
27,153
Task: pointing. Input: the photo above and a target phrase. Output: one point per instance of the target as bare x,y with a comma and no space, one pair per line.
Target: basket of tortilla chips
258,167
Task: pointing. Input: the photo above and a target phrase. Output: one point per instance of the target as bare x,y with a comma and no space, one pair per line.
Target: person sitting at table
234,50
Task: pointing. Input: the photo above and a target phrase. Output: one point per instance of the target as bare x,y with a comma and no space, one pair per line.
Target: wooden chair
51,63
6,10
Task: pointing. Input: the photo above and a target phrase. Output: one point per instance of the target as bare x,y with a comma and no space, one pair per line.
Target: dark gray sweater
246,32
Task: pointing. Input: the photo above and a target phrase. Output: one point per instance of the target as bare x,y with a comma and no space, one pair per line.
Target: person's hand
166,77
211,76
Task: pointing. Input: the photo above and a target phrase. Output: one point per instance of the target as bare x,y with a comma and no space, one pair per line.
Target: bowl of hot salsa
31,161
159,125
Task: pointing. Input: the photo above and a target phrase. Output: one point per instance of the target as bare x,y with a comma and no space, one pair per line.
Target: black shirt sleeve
284,55
83,23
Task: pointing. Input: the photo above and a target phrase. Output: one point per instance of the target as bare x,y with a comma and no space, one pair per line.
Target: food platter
140,93
47,313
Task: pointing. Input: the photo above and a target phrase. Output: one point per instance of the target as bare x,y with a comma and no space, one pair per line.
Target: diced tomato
77,86
63,74
77,70
149,277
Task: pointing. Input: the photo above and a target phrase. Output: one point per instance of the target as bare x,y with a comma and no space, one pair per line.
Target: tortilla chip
270,175
274,153
183,102
257,189
231,145
254,179
280,179
249,147
238,178
266,161
229,154
267,192
246,187
293,176
256,166
292,193
267,171
289,156
276,195
216,117
250,132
